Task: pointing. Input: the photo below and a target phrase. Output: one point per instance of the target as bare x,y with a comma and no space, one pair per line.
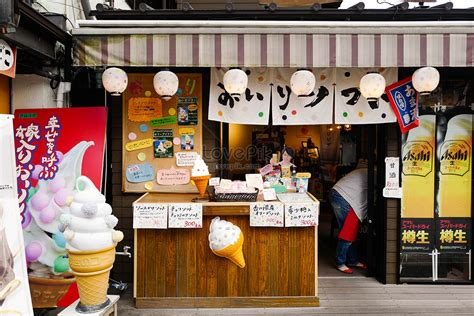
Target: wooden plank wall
393,207
179,263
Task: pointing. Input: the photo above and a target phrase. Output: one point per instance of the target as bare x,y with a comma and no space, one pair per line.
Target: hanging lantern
115,80
425,80
302,83
166,84
372,86
235,81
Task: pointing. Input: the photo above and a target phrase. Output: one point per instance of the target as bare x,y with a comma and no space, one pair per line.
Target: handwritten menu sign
185,159
139,144
267,214
144,109
185,215
173,176
167,120
140,173
392,178
301,214
150,215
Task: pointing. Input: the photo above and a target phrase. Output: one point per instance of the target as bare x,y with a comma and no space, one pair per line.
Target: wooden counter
174,268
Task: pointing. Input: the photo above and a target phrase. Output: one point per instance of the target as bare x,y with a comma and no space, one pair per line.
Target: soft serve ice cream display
49,199
226,240
200,175
91,241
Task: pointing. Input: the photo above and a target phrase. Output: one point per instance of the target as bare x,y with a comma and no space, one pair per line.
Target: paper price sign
185,215
301,214
150,215
267,214
392,179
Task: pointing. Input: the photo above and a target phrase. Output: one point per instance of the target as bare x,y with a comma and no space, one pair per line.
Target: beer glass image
455,170
418,177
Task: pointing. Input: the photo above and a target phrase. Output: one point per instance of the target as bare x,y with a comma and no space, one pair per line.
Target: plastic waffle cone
201,183
92,269
233,252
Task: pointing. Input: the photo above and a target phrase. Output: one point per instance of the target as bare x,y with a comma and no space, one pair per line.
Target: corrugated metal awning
274,44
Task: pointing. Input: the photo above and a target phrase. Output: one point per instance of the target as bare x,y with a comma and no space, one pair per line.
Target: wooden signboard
155,131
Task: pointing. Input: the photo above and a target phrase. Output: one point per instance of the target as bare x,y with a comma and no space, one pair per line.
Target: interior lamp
425,80
166,84
302,83
235,81
115,80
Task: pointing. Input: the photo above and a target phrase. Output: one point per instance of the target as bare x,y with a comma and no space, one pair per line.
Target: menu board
185,215
161,138
301,214
150,215
264,214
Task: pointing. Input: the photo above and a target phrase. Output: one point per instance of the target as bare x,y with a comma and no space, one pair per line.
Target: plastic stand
110,309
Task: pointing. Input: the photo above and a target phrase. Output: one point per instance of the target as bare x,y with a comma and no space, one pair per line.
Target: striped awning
274,44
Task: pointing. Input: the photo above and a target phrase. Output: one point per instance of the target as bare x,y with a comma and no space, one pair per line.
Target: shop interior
327,152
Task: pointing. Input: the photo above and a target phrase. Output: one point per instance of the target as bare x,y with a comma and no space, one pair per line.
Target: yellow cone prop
92,269
233,252
201,183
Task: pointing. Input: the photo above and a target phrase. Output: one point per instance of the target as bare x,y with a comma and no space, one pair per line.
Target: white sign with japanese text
353,108
267,214
317,108
252,107
392,187
185,215
15,298
301,214
150,215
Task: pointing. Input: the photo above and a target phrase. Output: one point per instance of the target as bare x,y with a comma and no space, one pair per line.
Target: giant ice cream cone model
226,240
200,175
91,242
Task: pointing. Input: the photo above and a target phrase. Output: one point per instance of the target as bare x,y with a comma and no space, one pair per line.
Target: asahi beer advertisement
437,184
418,184
454,174
15,296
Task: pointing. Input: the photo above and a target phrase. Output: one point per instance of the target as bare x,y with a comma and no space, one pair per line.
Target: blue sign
404,101
140,173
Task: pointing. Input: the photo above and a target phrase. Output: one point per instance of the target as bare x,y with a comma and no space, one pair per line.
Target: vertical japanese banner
352,108
15,296
316,108
418,187
53,148
252,107
453,229
404,101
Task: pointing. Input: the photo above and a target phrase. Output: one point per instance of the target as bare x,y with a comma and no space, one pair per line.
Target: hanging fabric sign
271,87
404,101
252,107
289,109
352,108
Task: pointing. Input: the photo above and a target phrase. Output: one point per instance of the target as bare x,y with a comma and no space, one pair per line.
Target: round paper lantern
235,81
425,80
115,80
166,84
302,83
372,86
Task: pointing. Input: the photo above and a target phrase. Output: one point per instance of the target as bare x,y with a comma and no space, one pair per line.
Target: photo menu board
161,138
